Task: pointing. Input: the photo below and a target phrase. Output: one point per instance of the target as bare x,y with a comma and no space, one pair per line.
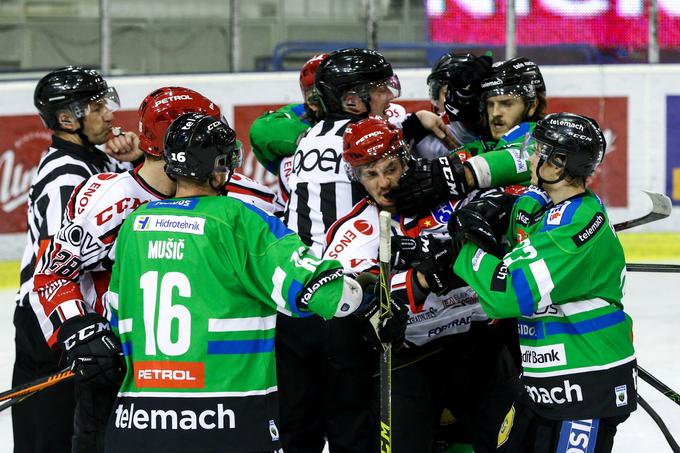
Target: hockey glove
464,90
496,207
438,271
389,330
429,183
468,224
408,252
93,352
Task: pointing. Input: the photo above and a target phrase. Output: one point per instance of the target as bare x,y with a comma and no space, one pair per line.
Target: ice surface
653,300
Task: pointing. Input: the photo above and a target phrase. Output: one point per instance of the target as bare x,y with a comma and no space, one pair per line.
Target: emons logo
186,420
363,227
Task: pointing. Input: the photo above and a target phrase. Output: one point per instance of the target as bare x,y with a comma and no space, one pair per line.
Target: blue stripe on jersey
293,293
518,131
186,204
241,346
530,330
276,227
299,110
127,348
578,435
523,292
567,214
540,199
585,326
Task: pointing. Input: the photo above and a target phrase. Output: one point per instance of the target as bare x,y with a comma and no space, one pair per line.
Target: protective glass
108,100
392,84
549,153
523,91
230,161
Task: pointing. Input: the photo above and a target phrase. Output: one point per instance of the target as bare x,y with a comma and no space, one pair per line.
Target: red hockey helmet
161,107
370,140
307,73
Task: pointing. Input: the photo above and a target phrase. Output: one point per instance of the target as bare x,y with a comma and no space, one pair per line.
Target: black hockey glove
408,252
438,270
464,90
428,183
496,207
93,352
468,224
390,330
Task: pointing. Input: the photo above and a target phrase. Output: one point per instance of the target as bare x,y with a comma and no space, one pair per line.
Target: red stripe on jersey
363,204
71,205
415,308
251,192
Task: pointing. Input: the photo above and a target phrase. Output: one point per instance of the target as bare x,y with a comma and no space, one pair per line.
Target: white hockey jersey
73,272
354,240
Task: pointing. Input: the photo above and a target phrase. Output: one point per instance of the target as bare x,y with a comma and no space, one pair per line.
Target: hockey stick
386,356
20,392
661,208
659,422
650,267
657,384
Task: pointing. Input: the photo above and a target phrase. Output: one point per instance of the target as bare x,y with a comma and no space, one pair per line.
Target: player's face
504,111
97,123
379,178
441,99
380,98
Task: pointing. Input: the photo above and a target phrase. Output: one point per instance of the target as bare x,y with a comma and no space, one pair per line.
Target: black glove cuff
81,328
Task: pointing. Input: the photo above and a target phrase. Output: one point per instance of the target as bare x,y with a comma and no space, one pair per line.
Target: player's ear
66,121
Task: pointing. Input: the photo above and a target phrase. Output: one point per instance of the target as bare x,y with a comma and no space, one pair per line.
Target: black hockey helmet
351,69
72,88
518,76
197,145
441,72
570,141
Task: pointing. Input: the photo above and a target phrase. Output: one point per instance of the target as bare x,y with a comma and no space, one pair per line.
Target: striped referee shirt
320,189
64,166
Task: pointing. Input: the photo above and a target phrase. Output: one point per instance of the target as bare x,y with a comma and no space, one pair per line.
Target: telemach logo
568,393
185,420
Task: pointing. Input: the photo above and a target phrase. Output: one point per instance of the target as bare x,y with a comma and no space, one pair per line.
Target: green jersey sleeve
282,271
569,254
508,162
275,134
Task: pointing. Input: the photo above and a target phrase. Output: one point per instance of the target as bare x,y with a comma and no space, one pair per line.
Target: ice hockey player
455,93
432,366
563,278
77,105
196,314
74,270
351,83
514,98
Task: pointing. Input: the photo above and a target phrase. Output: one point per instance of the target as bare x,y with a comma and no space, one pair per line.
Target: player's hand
467,224
93,352
408,252
381,331
436,125
428,183
437,271
124,146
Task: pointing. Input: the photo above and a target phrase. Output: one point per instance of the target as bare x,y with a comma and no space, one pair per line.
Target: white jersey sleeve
252,192
73,273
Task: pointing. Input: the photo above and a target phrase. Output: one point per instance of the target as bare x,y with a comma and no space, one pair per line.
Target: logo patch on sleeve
589,231
499,282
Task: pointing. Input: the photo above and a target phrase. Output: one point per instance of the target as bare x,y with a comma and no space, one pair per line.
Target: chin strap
542,181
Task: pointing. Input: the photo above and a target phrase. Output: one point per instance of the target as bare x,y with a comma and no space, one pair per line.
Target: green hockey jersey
507,162
193,297
564,280
275,135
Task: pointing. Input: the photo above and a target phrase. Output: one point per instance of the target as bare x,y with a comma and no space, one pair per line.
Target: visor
231,160
108,99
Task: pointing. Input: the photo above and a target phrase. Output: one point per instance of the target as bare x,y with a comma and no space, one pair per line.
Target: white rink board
651,300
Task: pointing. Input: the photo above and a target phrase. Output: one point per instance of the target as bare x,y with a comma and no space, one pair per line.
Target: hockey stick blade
659,422
652,267
36,385
657,384
661,208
